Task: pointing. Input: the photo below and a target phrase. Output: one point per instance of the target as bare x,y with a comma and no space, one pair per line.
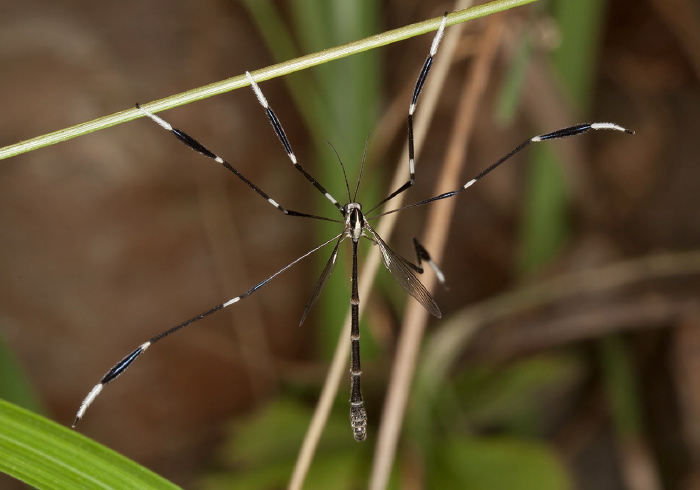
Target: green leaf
44,454
546,221
477,464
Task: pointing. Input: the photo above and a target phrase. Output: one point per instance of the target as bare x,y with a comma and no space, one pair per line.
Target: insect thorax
354,220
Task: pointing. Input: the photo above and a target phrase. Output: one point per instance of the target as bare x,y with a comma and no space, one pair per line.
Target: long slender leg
279,131
358,415
323,278
422,77
200,148
559,133
119,368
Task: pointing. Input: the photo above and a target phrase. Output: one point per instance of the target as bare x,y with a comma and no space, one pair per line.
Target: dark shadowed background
110,238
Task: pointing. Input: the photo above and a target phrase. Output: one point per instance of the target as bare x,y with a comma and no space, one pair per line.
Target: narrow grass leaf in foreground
44,454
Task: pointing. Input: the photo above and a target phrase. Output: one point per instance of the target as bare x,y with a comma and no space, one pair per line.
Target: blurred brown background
110,238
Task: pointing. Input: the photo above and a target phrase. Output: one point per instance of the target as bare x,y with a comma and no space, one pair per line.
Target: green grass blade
622,389
546,226
44,454
340,120
546,220
273,71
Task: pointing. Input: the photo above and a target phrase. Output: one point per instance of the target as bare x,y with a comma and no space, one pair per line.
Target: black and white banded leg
119,368
188,140
559,133
422,77
355,226
200,148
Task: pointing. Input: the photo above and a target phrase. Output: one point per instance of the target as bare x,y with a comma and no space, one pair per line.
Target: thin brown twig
445,344
436,236
371,265
588,321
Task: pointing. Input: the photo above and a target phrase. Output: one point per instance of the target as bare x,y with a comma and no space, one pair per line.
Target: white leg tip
162,123
86,402
256,89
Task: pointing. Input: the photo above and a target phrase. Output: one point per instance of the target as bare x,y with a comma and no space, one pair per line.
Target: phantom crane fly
356,225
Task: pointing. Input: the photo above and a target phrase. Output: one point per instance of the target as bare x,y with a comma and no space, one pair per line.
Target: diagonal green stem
273,71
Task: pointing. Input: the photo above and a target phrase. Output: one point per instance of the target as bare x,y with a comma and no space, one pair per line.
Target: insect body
356,225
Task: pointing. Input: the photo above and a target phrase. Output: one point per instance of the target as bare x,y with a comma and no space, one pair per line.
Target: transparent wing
406,278
320,284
